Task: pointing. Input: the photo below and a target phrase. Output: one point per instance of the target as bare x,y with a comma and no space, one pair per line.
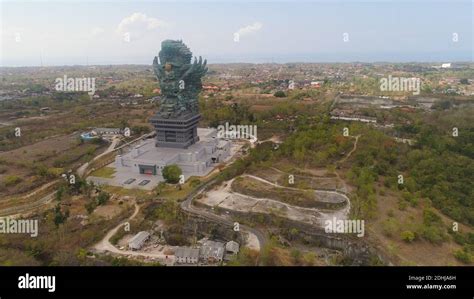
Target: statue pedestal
176,132
145,161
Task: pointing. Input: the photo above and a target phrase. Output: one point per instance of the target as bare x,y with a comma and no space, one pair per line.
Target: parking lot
129,180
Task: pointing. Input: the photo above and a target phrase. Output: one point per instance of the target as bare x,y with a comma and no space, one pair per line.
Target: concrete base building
180,132
197,159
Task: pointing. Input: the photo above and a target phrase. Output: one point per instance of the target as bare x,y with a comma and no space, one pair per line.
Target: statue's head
174,52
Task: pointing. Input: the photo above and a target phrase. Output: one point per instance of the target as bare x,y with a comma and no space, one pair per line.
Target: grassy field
104,172
68,243
305,181
248,186
138,193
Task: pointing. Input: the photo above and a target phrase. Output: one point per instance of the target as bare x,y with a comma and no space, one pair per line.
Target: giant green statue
180,80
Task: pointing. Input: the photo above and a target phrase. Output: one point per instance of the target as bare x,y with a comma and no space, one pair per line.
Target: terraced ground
307,198
249,193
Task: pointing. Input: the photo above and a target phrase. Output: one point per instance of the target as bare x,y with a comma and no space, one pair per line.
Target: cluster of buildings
104,133
210,252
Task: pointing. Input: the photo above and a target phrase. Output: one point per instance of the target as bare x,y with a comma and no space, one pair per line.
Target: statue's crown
174,52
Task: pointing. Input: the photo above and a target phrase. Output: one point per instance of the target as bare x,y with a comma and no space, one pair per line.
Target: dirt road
105,246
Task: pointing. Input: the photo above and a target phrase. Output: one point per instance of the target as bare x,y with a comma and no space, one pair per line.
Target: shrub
11,180
402,205
430,217
103,198
194,182
279,94
90,206
463,256
390,227
433,234
408,236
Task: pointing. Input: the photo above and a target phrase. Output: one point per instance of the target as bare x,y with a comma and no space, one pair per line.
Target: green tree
59,216
171,173
59,193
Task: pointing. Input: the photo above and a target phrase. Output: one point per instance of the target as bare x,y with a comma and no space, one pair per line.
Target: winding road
104,245
111,148
187,206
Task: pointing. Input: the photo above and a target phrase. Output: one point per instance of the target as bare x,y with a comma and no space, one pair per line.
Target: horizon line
277,63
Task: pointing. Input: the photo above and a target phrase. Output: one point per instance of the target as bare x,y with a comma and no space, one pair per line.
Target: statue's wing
200,67
204,67
195,70
157,68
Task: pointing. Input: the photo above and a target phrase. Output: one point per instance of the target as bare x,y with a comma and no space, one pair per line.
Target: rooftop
138,239
232,246
186,252
212,249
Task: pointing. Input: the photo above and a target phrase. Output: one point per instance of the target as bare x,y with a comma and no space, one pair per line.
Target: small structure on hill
186,255
212,251
232,247
138,240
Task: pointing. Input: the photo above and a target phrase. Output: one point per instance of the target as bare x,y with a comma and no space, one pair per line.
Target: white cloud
249,29
138,24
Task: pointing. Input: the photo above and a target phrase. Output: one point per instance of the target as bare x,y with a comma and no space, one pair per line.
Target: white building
197,160
446,65
138,240
106,131
186,255
212,251
232,247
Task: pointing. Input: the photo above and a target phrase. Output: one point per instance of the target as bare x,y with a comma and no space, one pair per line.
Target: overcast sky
130,32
